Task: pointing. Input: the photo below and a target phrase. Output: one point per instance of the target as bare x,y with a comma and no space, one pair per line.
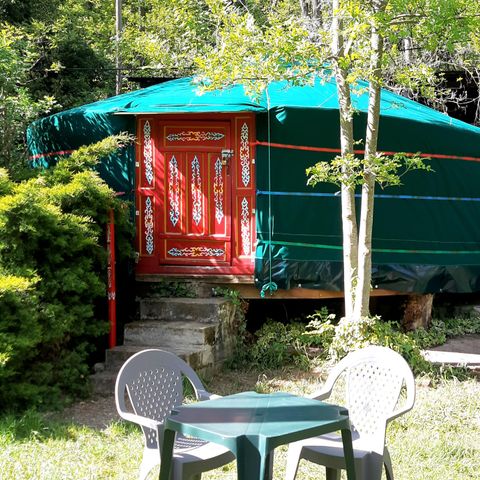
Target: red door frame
150,195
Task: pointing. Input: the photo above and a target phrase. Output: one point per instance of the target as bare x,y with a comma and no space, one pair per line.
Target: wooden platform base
244,284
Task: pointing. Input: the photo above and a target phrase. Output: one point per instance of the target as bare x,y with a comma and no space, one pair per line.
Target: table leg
167,454
268,470
253,462
348,452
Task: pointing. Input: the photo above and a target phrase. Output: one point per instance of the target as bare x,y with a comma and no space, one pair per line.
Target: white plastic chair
374,380
153,380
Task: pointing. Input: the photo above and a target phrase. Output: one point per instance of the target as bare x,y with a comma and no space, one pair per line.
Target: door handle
226,156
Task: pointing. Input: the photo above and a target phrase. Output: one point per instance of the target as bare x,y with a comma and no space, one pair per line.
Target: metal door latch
226,156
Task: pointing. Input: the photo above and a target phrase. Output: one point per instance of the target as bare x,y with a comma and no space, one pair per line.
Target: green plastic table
252,425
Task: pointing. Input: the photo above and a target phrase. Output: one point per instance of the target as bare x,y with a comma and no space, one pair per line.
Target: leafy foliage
278,344
352,335
441,329
166,36
52,266
323,338
351,170
352,41
292,40
17,106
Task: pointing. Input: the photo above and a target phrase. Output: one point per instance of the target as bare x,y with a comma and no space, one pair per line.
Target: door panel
197,194
173,166
196,187
219,197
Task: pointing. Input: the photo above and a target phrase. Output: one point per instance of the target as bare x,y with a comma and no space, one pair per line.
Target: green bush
53,271
20,333
352,335
277,344
323,338
320,331
442,329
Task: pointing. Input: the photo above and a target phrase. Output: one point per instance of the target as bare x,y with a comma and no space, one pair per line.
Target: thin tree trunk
349,221
362,293
118,38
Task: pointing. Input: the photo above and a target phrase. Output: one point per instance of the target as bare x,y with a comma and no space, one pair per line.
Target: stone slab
462,351
204,310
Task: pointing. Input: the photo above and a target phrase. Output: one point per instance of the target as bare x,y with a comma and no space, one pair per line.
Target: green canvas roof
182,96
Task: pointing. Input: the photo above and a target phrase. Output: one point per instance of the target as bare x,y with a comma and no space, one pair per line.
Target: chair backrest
374,380
153,380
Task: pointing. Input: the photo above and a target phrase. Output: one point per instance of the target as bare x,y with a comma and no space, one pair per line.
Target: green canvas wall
426,232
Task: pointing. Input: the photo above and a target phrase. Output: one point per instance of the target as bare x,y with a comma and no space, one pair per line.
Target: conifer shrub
52,276
20,333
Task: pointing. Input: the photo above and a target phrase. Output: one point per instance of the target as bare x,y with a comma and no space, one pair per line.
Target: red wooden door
195,196
195,180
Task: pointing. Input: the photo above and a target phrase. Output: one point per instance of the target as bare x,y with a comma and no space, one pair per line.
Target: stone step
171,334
204,310
197,359
202,331
103,381
117,356
175,287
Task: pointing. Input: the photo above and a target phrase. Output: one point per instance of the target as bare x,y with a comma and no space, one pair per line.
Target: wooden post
111,281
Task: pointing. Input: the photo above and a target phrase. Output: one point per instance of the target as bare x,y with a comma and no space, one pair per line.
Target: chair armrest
399,412
204,395
320,394
410,400
139,420
326,389
214,396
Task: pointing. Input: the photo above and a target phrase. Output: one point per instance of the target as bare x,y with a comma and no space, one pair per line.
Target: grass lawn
438,439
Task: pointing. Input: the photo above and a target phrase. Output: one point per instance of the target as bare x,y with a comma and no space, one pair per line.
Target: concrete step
462,351
117,356
457,359
204,310
199,330
171,334
103,381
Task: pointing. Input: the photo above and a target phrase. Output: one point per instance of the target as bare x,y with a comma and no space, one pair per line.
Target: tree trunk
418,311
363,287
118,38
349,221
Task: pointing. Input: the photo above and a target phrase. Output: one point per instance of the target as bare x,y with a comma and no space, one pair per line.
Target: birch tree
385,42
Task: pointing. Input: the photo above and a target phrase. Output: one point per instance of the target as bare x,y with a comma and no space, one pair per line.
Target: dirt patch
99,412
96,412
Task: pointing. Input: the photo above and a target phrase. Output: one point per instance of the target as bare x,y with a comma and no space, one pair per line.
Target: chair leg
149,460
144,471
293,459
332,473
387,462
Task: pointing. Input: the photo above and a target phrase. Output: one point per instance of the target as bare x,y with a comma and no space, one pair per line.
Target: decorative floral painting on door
195,197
